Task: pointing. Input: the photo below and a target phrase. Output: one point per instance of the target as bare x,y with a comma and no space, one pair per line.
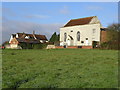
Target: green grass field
60,68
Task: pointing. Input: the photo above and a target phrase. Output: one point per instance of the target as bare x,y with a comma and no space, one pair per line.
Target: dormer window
26,37
16,35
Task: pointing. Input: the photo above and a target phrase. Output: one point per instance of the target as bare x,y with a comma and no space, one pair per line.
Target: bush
39,46
32,46
26,45
110,45
23,45
104,45
94,44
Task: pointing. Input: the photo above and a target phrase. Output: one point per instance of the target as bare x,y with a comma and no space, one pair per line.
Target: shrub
94,44
39,46
23,45
29,46
110,45
26,45
33,46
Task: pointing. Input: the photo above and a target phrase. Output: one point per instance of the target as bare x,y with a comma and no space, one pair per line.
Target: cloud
10,26
94,8
37,16
65,10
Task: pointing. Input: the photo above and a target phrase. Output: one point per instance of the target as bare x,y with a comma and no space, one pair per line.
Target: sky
47,17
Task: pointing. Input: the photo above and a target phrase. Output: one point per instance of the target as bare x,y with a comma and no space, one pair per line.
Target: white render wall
13,45
86,31
11,37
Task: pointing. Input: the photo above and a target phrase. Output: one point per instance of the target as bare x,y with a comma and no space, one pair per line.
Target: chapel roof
80,21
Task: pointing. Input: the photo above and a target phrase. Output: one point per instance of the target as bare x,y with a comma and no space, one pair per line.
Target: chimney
34,35
33,32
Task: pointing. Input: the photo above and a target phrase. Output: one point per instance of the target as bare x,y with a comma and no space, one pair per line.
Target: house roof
41,37
20,40
80,21
13,35
33,36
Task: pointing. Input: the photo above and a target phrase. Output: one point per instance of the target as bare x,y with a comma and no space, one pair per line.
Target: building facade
81,32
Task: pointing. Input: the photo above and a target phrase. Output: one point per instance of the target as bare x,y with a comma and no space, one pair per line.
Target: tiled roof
20,40
13,35
32,36
41,37
80,21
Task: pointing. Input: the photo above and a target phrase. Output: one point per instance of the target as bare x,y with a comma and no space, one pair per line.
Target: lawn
60,68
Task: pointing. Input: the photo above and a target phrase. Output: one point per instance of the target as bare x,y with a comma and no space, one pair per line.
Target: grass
60,68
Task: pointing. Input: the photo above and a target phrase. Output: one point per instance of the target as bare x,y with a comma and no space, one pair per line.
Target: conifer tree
54,37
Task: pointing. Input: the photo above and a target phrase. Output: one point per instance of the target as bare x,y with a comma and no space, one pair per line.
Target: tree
113,37
114,27
54,38
58,37
113,32
5,43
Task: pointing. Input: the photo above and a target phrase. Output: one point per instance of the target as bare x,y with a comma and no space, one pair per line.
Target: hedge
33,46
110,45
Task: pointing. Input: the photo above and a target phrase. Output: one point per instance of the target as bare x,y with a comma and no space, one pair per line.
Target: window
26,37
82,41
78,36
65,37
86,38
93,38
71,30
16,35
94,30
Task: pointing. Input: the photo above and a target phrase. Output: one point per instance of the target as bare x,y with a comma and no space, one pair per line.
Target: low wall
72,47
87,47
50,47
59,47
82,47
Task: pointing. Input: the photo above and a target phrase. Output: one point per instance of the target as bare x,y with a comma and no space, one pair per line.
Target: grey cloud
37,16
94,8
9,27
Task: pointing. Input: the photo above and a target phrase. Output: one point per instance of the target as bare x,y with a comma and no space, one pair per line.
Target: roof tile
80,21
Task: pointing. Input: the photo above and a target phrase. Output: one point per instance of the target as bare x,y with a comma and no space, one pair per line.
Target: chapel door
72,42
68,42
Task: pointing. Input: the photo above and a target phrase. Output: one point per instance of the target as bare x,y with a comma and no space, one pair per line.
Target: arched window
78,36
65,37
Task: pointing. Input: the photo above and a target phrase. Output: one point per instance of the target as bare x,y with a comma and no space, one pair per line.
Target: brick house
19,38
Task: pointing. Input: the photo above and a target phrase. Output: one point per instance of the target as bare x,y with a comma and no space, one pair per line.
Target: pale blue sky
47,17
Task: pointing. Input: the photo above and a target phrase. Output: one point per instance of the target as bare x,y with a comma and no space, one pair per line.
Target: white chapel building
80,32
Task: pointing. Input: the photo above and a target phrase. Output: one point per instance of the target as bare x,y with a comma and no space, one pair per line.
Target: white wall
11,37
86,31
13,45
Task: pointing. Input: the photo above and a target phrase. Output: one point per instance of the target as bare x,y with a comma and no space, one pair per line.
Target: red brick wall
103,36
59,47
87,47
14,41
83,47
72,47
